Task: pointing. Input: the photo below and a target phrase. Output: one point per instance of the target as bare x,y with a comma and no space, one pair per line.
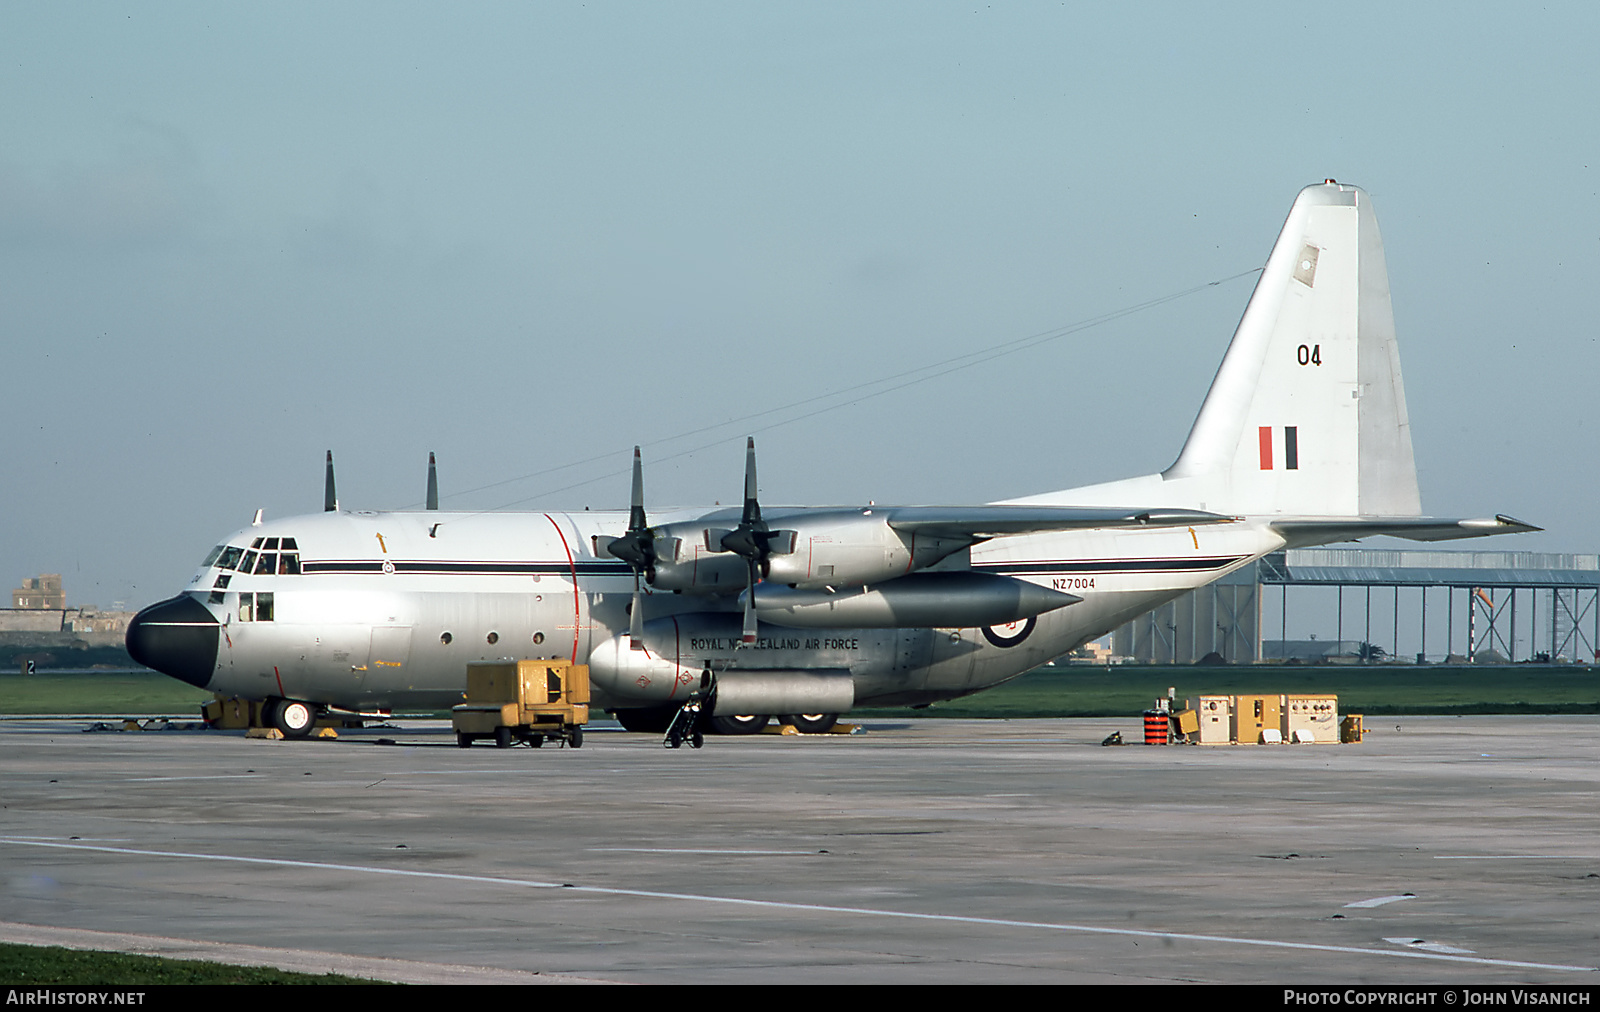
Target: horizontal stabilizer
1321,532
984,522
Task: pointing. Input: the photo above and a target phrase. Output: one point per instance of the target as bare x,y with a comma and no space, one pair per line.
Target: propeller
752,540
433,483
638,549
330,499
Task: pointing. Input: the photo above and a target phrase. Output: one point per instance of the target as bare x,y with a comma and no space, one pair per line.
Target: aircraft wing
1313,531
984,522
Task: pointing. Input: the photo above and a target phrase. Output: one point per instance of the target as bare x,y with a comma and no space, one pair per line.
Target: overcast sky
235,236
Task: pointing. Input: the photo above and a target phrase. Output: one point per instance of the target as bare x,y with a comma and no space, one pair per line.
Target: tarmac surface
1441,850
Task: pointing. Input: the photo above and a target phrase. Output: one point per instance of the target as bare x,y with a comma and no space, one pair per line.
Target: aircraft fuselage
381,611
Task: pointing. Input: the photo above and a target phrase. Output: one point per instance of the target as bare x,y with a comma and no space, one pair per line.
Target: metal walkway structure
1497,606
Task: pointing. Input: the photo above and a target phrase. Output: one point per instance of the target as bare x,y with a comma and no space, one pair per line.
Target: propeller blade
752,508
636,618
330,499
433,483
749,635
636,521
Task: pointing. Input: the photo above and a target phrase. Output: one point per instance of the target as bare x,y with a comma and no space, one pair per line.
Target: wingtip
1522,528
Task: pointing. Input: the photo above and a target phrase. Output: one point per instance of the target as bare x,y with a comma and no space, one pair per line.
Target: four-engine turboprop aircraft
1303,439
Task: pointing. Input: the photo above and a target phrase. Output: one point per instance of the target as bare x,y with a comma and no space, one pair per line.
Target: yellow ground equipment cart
527,701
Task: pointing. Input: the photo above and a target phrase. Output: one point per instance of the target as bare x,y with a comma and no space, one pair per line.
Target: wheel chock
840,728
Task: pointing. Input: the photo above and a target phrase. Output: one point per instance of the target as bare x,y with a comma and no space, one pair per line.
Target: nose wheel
291,717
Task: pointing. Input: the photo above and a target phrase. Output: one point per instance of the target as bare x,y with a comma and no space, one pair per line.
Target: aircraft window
256,543
216,597
255,607
538,638
230,558
288,564
212,557
222,580
445,638
249,563
289,545
493,638
268,563
271,545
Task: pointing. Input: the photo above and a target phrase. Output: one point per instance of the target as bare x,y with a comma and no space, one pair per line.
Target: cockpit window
267,561
212,557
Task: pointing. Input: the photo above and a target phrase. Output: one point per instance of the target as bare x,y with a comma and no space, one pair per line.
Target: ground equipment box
528,701
1351,730
1254,714
1311,720
1215,719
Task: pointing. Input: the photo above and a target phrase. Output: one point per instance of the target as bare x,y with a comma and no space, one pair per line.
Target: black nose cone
177,637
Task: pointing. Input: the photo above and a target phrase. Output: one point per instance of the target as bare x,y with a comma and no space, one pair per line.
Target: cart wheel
536,740
502,737
697,741
576,738
670,743
463,739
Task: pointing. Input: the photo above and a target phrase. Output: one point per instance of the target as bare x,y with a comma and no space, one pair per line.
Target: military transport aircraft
1303,439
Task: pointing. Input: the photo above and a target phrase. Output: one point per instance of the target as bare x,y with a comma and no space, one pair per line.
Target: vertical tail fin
1307,414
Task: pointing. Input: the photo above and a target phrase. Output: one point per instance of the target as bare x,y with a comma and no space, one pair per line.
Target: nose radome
176,637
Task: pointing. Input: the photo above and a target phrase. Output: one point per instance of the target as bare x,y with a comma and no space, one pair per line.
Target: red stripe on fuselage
1265,432
577,608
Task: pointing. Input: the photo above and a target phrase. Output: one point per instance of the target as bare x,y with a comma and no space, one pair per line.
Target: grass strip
33,965
1067,691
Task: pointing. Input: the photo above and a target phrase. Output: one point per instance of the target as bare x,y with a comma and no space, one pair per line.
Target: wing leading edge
984,522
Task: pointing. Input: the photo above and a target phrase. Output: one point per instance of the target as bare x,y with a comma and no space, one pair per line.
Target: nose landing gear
291,717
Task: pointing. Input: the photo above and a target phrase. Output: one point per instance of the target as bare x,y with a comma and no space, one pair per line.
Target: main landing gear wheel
811,723
293,718
739,723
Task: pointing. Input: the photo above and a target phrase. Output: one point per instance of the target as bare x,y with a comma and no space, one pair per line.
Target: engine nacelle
921,600
781,672
851,549
684,563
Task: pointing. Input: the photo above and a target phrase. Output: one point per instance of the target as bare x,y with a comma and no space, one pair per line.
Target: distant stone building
39,617
42,592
